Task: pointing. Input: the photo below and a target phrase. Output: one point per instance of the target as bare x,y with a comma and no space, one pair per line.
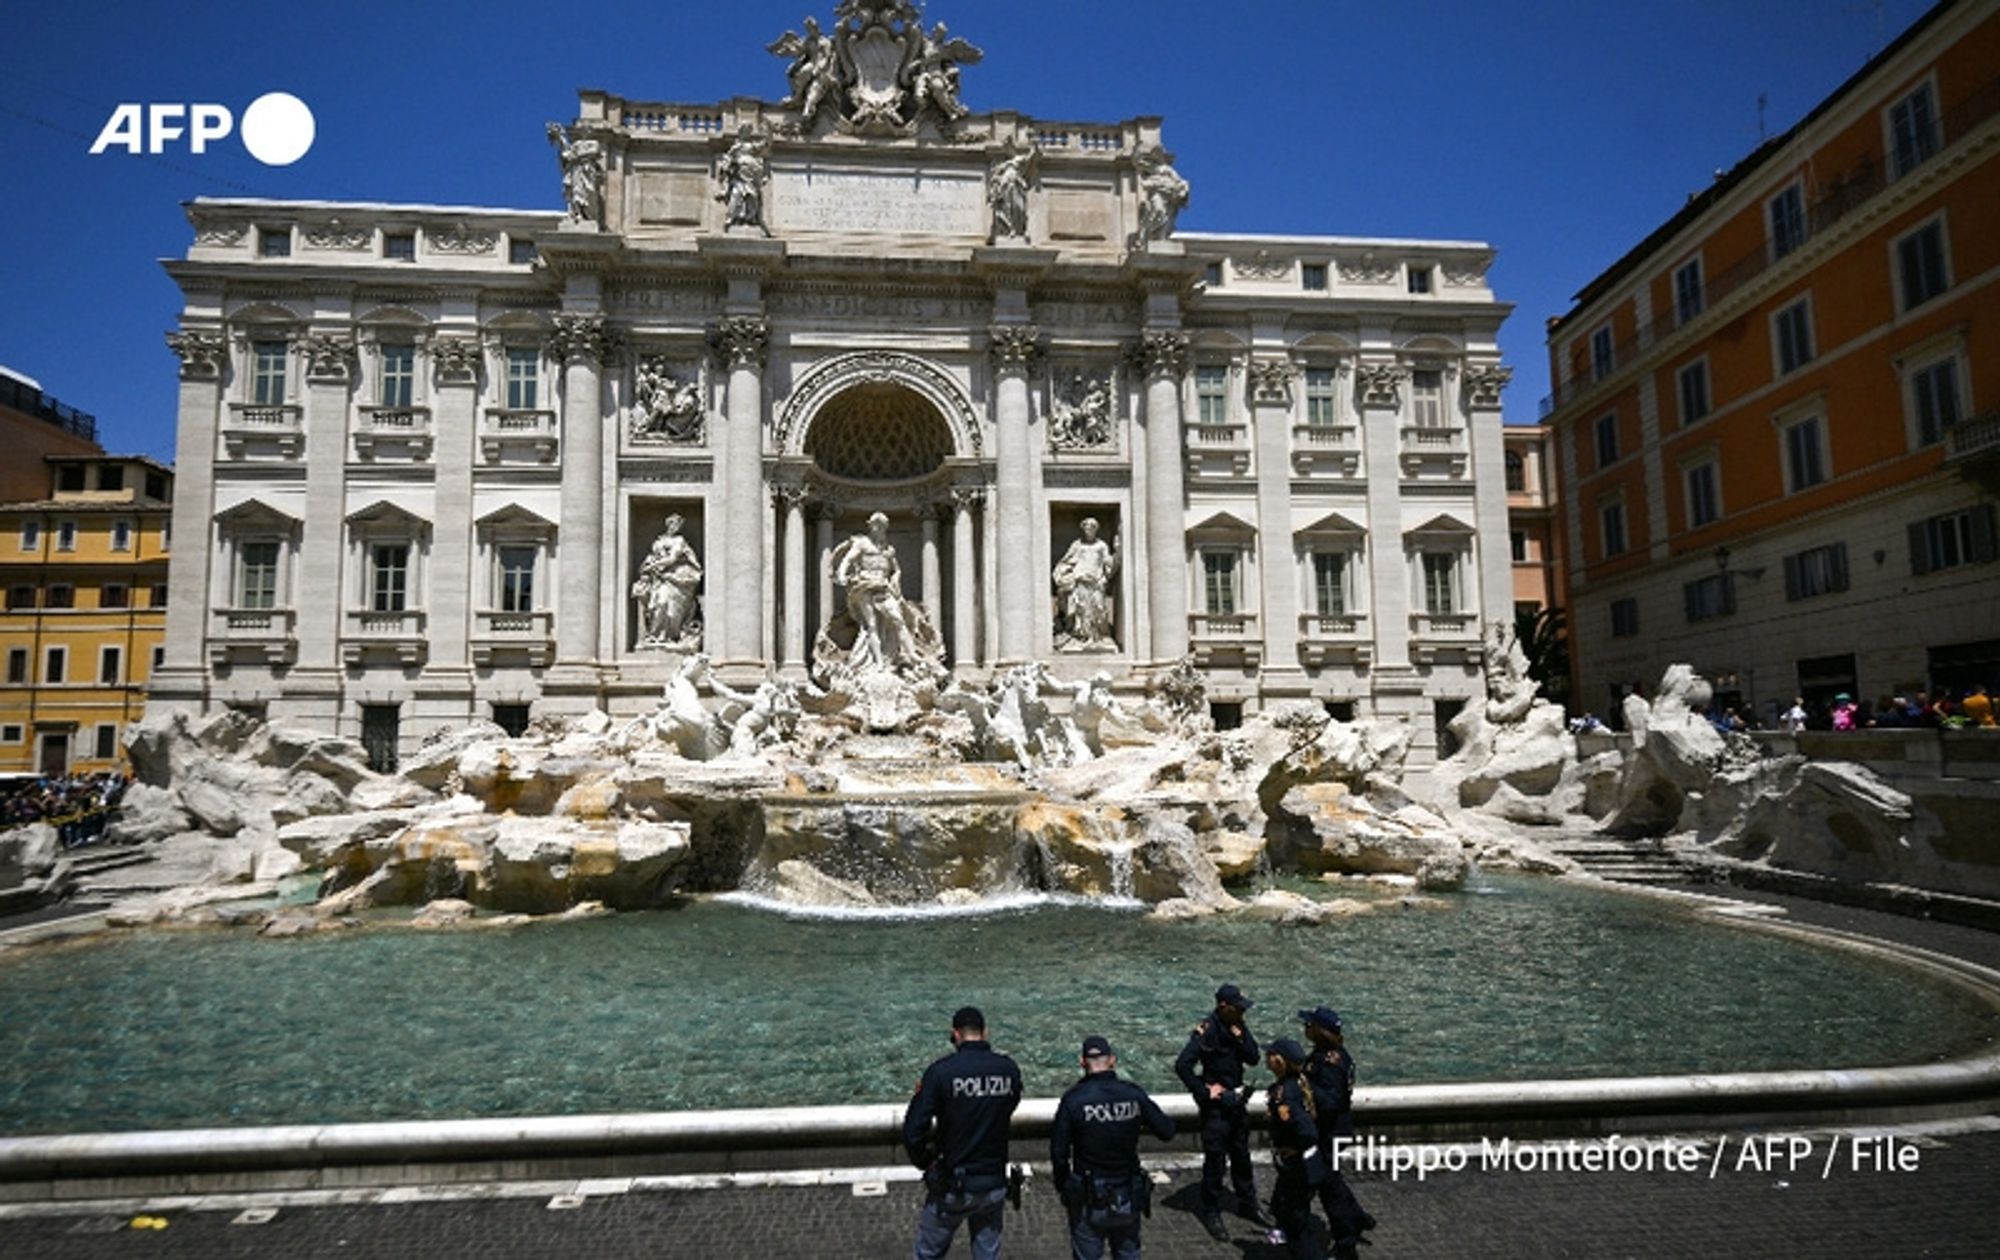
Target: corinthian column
1013,347
581,343
793,501
741,341
1163,357
964,582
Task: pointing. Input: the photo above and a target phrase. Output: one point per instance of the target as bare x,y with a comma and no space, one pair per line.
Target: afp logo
277,128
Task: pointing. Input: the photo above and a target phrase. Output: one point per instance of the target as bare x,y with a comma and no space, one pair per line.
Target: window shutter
1920,556
1793,583
1983,550
1840,566
1690,597
1728,593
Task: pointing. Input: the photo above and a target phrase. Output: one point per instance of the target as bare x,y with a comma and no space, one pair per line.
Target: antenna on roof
1763,101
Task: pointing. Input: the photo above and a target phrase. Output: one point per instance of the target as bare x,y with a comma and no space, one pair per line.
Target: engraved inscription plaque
814,199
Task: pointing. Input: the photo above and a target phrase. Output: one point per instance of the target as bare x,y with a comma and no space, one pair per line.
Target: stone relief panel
1082,408
667,402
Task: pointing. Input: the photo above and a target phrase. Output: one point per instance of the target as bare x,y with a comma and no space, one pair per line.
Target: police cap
1230,995
1324,1017
1287,1049
1096,1048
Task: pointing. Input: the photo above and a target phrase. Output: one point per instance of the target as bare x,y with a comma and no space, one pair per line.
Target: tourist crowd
79,806
1971,710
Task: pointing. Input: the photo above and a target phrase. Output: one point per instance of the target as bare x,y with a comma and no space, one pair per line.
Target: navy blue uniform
1097,1124
1295,1150
971,1094
1330,1075
1221,1052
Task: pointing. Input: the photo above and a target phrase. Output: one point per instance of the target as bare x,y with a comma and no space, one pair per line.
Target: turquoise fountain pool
725,1004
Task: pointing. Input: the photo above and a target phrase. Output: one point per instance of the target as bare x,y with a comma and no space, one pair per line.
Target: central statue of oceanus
879,632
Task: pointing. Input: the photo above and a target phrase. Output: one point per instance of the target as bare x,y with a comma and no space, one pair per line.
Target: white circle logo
278,129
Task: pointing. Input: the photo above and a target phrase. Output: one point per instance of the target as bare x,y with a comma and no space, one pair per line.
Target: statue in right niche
1083,593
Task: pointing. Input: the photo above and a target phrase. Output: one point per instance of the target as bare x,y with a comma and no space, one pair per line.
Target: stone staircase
90,869
1624,861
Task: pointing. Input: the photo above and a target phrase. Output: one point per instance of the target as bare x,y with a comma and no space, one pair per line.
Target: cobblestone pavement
1810,1198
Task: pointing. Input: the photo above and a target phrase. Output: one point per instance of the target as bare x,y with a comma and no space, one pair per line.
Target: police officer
1221,1046
1106,1192
1329,1073
1294,1148
971,1094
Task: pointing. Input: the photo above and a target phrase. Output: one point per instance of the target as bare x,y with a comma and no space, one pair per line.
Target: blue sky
1561,132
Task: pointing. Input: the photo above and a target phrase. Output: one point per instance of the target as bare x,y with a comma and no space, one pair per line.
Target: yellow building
85,575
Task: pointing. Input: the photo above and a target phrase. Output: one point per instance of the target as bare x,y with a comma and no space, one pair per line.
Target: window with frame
159,599
1517,545
1921,266
1934,399
1440,583
399,246
1816,571
156,486
31,535
114,595
274,242
55,665
1516,472
1952,539
111,476
1211,395
159,657
257,575
61,595
17,665
1624,618
1710,597
520,252
1312,277
110,666
1787,216
1692,383
1913,131
1689,300
1602,362
517,577
1606,435
1329,583
19,597
1211,275
524,365
107,741
1427,398
1611,527
121,535
1321,404
1420,279
69,478
65,535
1704,494
1792,329
389,577
1805,455
13,733
1219,572
267,373
399,374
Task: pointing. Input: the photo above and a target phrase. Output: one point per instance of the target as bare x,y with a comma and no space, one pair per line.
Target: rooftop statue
742,172
582,158
814,74
877,73
1163,194
1007,186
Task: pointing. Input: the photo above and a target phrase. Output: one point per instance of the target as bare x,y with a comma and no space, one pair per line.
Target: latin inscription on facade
812,198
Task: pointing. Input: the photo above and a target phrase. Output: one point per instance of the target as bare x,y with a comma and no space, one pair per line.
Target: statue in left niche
742,172
582,157
670,409
669,592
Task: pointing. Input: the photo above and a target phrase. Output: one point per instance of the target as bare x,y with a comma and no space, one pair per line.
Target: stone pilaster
1014,349
455,590
582,343
1480,389
823,522
964,581
1163,356
1378,397
183,679
1272,383
933,571
742,341
324,593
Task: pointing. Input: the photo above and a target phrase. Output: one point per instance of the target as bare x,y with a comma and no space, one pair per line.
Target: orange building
84,568
1777,444
32,426
1531,518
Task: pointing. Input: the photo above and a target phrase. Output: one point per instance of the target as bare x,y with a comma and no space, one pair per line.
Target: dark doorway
55,753
1955,668
1821,678
1226,714
380,724
511,718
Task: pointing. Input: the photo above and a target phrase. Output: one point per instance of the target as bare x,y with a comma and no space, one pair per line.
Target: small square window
274,242
1211,275
114,595
69,478
107,741
13,733
61,595
1819,571
111,477
156,486
31,535
121,535
20,597
1624,618
1420,279
1312,277
521,252
399,246
1710,597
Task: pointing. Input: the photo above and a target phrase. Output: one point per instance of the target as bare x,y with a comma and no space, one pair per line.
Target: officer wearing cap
1097,1122
1294,1132
1221,1047
970,1094
1329,1074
